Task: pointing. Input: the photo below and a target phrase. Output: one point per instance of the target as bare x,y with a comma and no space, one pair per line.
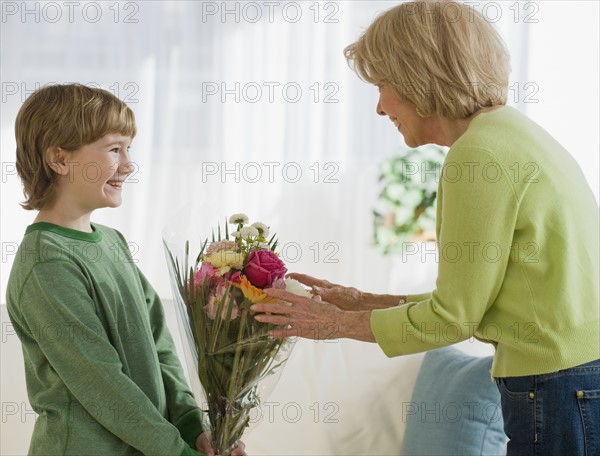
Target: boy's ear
56,159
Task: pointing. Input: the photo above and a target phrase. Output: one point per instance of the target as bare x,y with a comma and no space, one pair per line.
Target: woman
517,230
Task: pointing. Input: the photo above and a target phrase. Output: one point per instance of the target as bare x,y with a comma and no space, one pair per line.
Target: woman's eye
116,150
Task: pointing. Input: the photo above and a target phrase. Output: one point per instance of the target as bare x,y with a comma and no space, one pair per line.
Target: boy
101,367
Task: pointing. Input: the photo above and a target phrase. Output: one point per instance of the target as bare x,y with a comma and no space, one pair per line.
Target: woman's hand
203,446
312,318
346,298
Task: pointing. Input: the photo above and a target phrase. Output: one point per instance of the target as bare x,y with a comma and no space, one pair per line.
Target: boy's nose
126,168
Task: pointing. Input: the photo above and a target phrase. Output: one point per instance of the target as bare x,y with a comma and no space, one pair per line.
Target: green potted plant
406,204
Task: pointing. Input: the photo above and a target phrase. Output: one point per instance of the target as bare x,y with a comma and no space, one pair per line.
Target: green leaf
199,257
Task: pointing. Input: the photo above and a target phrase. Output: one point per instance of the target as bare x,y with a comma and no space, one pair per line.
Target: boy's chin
114,204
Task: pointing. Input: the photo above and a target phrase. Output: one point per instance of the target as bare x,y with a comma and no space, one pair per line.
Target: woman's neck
449,130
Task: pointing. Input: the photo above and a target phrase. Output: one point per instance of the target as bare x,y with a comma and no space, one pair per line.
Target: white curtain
251,106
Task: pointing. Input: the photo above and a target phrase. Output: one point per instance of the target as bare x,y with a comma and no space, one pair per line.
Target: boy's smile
97,172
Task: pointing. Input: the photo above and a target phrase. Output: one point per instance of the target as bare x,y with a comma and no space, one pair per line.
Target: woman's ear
56,160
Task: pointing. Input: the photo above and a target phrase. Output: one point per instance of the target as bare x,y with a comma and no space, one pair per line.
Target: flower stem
234,376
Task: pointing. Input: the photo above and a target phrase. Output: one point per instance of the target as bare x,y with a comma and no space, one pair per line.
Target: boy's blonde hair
441,56
68,116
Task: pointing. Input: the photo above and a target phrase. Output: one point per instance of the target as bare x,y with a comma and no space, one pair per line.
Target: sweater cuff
418,297
387,329
190,426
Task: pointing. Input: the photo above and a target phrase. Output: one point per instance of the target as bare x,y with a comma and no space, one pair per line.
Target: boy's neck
79,222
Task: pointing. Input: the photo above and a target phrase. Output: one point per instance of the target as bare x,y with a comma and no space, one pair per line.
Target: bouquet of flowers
232,353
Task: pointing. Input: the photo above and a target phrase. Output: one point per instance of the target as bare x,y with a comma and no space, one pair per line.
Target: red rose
263,268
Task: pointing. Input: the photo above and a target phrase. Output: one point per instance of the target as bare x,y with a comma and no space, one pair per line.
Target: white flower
238,219
263,229
295,287
248,232
236,234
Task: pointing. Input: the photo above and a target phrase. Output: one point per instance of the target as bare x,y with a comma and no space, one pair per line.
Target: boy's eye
116,150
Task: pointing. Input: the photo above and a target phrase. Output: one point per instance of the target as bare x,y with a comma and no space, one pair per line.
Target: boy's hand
203,446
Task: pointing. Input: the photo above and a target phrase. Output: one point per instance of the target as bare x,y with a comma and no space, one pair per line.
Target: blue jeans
553,414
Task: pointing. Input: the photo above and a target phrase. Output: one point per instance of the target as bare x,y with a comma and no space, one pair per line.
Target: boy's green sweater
517,230
101,367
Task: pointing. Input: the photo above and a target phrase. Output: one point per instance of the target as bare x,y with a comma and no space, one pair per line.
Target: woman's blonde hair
68,116
441,56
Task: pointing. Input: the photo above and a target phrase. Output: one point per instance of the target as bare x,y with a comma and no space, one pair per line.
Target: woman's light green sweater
517,229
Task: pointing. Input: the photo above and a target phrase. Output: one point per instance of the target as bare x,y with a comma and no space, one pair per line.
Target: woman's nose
379,110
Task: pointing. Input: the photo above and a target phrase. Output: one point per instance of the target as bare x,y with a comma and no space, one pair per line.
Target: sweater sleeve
183,411
418,297
58,293
475,230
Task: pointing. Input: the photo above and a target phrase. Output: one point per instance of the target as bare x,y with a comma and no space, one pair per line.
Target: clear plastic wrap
232,360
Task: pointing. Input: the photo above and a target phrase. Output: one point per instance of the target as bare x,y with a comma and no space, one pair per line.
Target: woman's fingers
324,289
273,319
278,307
325,292
344,298
310,281
284,295
306,317
273,309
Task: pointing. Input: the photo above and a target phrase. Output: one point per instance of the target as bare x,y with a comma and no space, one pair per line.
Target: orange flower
252,293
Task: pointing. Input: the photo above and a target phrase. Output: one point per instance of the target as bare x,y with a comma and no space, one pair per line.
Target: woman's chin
410,142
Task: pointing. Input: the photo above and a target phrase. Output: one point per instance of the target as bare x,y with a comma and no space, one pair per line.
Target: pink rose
263,268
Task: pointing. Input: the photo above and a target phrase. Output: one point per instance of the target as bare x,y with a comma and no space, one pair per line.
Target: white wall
563,65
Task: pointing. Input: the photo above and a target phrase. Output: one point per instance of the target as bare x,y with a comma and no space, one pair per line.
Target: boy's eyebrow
119,142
